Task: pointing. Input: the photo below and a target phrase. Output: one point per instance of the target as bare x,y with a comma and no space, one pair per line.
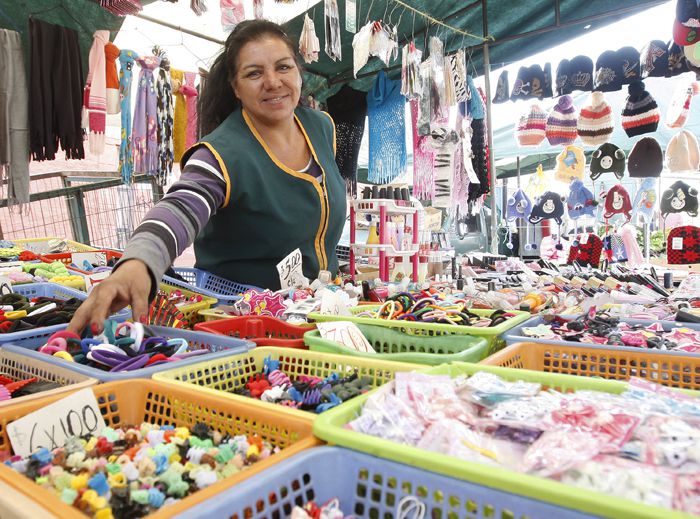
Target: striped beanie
595,122
530,131
641,113
561,122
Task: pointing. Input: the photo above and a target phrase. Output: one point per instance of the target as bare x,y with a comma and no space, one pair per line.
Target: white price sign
50,426
290,271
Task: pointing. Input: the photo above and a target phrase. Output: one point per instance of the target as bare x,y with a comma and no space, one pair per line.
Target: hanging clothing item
423,157
190,93
232,13
360,48
439,111
126,157
332,24
180,118
121,7
14,119
95,94
348,109
144,138
387,130
203,76
464,173
445,142
458,72
164,107
56,91
112,78
480,151
309,46
258,8
198,7
411,86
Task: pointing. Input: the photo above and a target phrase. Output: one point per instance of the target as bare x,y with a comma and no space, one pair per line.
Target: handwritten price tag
50,426
290,271
347,334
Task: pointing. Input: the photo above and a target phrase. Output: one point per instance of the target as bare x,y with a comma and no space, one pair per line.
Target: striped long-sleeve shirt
173,223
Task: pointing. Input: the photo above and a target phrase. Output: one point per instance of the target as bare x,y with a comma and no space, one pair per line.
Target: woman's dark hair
217,100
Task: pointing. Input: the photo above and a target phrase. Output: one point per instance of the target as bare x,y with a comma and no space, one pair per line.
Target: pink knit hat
595,122
530,130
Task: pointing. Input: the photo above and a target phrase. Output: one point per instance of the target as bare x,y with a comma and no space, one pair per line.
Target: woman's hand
130,284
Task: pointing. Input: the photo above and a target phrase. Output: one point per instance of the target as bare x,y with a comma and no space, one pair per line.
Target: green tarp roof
506,19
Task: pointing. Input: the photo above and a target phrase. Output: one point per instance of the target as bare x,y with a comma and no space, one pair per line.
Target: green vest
270,209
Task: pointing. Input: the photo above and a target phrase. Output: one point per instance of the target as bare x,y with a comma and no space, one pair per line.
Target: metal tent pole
492,168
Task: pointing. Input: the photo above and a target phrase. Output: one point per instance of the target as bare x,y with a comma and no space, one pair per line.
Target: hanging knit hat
580,201
677,112
387,130
646,159
547,89
529,84
571,164
561,122
548,206
682,153
679,198
654,59
531,127
677,63
581,73
608,72
629,56
641,113
608,158
501,95
519,206
595,122
617,201
562,84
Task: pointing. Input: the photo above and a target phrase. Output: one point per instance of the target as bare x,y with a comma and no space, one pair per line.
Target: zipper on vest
323,260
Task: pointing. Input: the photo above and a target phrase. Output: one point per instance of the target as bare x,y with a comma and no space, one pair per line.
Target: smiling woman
262,183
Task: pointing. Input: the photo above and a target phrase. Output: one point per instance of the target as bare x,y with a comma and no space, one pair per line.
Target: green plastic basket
330,427
394,345
492,334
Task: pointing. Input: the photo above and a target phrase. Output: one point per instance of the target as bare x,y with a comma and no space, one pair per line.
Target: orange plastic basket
263,330
143,400
679,371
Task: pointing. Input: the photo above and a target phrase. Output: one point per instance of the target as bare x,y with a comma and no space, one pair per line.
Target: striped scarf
126,158
144,139
95,94
164,90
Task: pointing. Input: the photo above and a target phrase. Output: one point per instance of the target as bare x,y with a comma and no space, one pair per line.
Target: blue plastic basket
208,284
47,290
218,345
516,335
366,487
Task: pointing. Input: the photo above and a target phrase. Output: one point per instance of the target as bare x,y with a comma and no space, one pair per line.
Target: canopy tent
514,31
506,148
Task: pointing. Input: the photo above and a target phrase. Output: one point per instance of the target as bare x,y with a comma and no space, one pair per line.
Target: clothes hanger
65,10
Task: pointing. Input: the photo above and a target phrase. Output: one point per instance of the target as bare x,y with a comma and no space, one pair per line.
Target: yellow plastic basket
19,367
221,376
191,311
38,245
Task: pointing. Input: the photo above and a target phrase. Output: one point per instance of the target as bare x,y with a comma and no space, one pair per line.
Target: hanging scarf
232,13
348,108
164,92
126,158
112,78
423,160
177,77
95,94
387,130
190,93
144,139
332,25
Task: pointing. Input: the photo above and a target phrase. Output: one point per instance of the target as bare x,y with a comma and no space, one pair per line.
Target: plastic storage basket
516,335
263,330
221,376
67,258
366,486
47,290
392,344
134,402
490,334
209,284
190,310
40,245
330,426
218,345
678,371
18,366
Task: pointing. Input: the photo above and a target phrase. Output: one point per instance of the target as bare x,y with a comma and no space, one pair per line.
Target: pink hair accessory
55,344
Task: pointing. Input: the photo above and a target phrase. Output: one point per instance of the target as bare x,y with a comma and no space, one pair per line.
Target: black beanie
646,159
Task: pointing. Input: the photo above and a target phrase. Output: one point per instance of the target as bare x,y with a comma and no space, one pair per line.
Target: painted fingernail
143,319
95,328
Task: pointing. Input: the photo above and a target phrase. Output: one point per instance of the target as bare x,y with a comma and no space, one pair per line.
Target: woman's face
267,82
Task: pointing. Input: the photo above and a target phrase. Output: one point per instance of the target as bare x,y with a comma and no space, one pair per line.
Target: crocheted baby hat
608,158
641,113
595,122
571,164
646,158
580,201
679,198
561,122
682,153
519,206
531,127
617,201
